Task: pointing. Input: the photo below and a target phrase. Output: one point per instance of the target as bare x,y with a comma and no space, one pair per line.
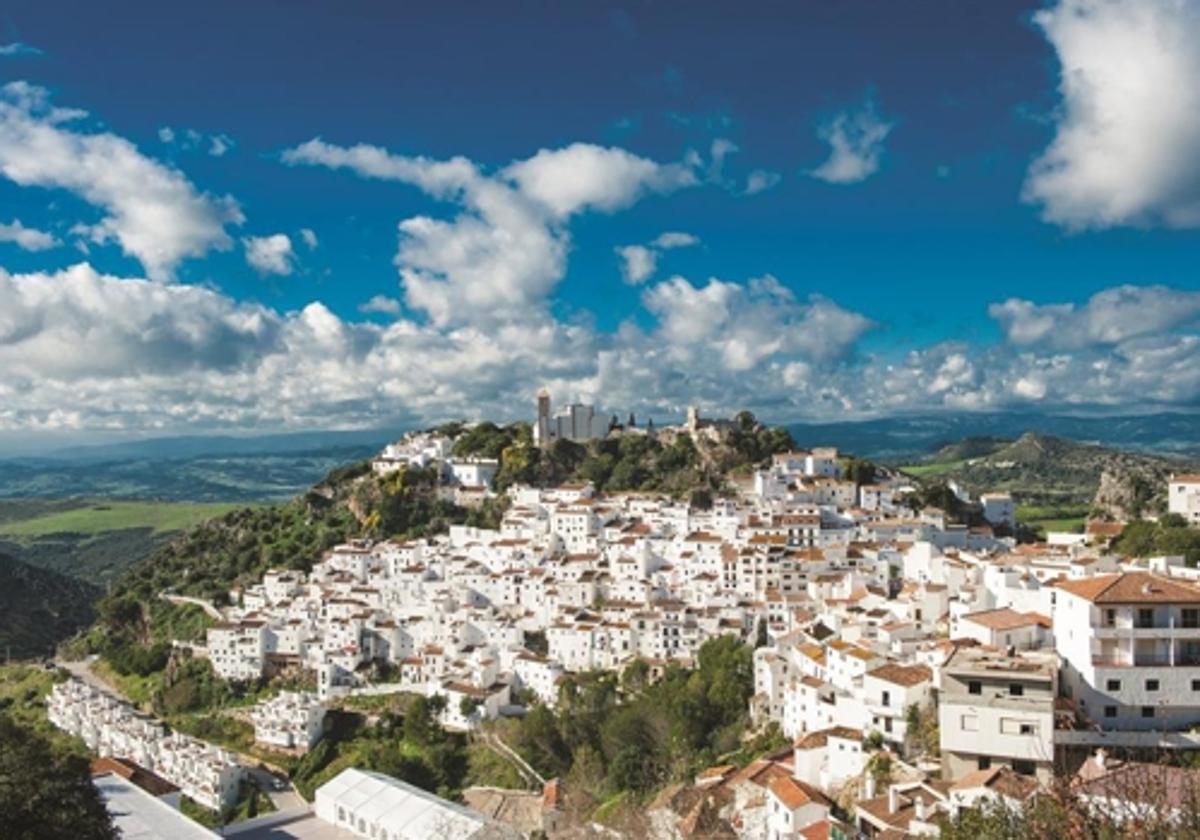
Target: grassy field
933,470
98,516
1070,518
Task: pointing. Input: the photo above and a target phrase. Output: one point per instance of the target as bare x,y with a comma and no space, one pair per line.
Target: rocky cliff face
1131,490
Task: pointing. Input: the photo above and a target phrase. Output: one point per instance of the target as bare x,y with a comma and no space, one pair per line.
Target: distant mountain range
195,446
266,467
911,437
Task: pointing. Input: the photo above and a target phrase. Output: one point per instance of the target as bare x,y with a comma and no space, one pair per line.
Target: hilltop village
917,667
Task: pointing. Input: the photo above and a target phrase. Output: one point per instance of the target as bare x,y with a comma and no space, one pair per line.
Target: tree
859,471
636,676
46,794
467,707
421,719
761,639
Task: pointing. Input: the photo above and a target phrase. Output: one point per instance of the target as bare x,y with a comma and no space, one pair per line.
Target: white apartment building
1183,497
999,509
292,720
1002,627
890,691
996,710
1130,645
473,472
237,650
417,449
204,773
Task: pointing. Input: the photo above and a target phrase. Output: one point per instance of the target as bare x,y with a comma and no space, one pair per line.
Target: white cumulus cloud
1124,151
1109,317
855,139
507,247
30,239
761,180
381,305
270,254
639,262
150,210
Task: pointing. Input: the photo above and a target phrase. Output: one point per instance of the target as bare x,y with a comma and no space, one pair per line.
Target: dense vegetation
613,736
408,745
46,793
38,608
1170,535
1061,812
673,464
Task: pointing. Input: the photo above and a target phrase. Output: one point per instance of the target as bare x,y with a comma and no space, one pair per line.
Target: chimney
922,809
869,787
1100,757
893,799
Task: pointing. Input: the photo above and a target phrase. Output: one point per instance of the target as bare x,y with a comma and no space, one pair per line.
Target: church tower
541,429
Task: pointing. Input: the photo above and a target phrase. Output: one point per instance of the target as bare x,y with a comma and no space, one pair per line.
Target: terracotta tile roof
787,791
905,675
820,738
1131,588
153,784
1001,619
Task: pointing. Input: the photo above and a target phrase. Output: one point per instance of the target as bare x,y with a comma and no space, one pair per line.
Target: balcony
1146,660
1148,633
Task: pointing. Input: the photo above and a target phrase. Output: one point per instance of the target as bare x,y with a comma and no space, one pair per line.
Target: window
1195,685
985,762
1011,726
1147,711
887,698
1145,618
1025,768
1152,685
970,723
1113,685
974,687
1110,618
1110,711
1191,617
1016,689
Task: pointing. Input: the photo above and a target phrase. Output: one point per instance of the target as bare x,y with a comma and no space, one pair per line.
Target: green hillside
1054,478
95,516
38,608
94,539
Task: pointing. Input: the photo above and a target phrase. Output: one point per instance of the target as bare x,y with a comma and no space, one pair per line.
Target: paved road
283,800
207,606
82,670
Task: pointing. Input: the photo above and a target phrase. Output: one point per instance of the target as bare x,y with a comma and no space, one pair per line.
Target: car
279,784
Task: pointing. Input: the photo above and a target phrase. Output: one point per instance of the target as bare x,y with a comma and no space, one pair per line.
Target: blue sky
889,207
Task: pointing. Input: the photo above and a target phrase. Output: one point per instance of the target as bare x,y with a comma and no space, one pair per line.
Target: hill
912,437
236,548
38,608
1056,480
